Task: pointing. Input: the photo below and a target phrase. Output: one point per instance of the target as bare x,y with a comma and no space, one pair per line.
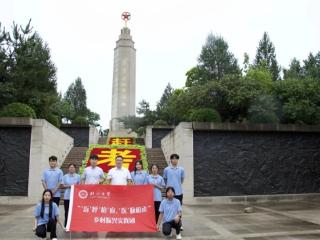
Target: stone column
124,80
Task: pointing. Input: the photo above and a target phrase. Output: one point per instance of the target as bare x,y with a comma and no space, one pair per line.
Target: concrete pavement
270,221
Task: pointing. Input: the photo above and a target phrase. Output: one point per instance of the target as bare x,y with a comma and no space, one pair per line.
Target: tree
204,115
215,61
312,66
64,110
165,97
295,70
17,110
80,120
196,76
300,100
93,118
246,64
147,115
176,108
160,123
132,122
27,74
161,105
266,56
75,101
76,95
264,109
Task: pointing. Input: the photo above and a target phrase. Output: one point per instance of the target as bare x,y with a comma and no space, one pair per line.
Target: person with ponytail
46,216
158,185
139,176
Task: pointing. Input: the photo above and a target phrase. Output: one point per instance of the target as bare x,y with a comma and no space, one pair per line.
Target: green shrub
54,120
160,123
204,115
18,110
80,120
264,117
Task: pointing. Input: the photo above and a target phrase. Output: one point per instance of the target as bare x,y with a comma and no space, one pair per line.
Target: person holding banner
158,184
71,178
46,216
119,175
170,214
93,174
139,176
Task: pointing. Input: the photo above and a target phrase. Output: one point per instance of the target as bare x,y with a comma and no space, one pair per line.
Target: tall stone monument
124,78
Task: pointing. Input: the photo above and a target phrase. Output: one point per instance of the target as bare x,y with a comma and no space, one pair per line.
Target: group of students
168,211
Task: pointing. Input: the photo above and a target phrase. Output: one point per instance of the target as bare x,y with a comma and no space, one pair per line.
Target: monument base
122,133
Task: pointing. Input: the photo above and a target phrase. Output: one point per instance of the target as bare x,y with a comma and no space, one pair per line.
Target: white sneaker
57,238
179,236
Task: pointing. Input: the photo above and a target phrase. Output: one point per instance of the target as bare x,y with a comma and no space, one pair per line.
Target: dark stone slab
79,133
158,134
14,160
234,163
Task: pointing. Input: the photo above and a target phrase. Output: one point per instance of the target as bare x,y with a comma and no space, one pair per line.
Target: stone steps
102,140
76,155
155,156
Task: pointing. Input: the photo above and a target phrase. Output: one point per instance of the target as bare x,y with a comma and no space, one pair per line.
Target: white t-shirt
119,176
92,175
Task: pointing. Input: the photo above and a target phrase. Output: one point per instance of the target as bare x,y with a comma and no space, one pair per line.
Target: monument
124,79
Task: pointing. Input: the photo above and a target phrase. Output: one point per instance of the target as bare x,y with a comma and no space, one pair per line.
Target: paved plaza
269,221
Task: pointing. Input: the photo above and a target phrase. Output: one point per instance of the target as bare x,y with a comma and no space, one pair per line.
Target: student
46,216
158,183
173,176
139,176
52,178
170,214
71,178
93,174
119,175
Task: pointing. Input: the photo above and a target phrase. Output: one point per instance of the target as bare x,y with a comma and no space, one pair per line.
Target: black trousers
56,200
66,211
179,197
156,209
167,227
51,226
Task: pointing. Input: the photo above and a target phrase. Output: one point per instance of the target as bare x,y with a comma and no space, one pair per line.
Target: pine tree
76,95
216,60
266,56
295,70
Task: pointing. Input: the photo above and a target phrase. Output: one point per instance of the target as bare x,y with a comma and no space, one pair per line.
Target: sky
168,36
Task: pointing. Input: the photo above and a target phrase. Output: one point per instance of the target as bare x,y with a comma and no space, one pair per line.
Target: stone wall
45,140
155,134
235,160
180,141
240,162
93,135
14,160
79,133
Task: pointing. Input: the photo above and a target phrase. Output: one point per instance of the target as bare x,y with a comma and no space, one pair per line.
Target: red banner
121,141
107,208
107,157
